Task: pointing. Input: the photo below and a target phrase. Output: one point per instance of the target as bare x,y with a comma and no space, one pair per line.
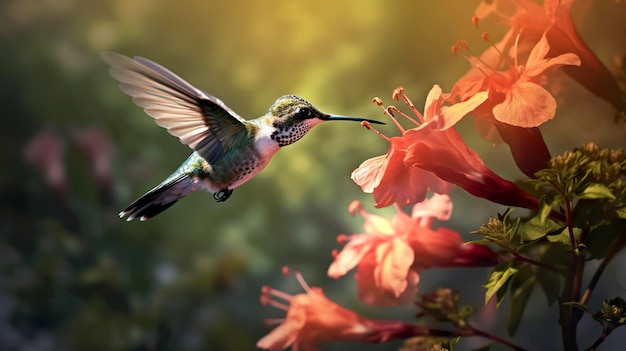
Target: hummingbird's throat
288,134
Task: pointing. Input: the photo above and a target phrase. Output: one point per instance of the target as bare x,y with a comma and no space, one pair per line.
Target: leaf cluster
443,305
582,212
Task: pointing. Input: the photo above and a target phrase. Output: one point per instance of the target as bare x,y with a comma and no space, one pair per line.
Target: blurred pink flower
98,149
45,151
554,19
390,253
312,318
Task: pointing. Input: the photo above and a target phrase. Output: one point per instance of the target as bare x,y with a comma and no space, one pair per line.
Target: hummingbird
228,150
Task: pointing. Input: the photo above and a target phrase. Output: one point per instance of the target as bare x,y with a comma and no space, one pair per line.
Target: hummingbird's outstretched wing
198,119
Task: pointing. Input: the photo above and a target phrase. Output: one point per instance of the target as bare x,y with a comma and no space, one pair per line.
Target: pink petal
394,258
377,225
539,51
526,105
435,248
431,106
450,115
350,256
282,336
369,173
561,60
373,295
438,206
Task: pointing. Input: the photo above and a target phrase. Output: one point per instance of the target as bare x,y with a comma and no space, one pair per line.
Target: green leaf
550,284
621,212
547,204
596,191
536,228
452,343
521,288
600,238
613,312
498,280
562,236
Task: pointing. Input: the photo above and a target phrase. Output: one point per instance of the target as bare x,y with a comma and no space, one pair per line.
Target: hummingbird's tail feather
160,198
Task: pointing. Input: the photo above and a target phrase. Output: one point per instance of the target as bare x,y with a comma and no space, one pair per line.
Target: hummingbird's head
293,117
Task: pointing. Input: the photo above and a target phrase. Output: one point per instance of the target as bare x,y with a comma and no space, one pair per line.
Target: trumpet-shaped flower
553,19
515,96
390,253
436,147
388,177
312,319
517,102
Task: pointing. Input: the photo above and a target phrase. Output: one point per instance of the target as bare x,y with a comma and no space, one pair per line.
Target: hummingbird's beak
348,118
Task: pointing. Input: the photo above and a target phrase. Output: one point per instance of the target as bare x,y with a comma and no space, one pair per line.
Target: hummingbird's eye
304,113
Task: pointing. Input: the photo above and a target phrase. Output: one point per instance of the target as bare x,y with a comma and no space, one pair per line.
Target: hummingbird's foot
222,195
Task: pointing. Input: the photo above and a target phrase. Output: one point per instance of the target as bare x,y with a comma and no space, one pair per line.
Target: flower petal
373,295
350,255
526,105
438,206
568,59
282,336
450,115
431,106
539,51
369,173
394,258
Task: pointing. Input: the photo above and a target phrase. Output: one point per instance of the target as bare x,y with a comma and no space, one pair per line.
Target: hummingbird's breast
242,162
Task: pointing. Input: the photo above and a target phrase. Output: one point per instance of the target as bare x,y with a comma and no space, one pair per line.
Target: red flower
515,98
390,253
45,151
388,177
446,154
391,181
313,318
436,147
555,20
98,149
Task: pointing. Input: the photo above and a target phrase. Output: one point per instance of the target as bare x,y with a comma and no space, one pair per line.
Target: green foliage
423,343
74,277
499,231
443,305
498,281
613,312
580,213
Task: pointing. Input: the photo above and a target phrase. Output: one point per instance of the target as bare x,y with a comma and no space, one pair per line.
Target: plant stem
385,331
570,226
531,261
571,292
613,250
601,338
495,338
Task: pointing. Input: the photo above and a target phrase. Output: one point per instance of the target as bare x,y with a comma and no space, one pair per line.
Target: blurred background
75,151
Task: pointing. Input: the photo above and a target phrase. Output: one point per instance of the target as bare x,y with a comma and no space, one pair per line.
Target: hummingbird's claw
222,195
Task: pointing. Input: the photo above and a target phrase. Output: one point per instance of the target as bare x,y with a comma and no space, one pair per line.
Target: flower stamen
267,293
303,283
367,125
